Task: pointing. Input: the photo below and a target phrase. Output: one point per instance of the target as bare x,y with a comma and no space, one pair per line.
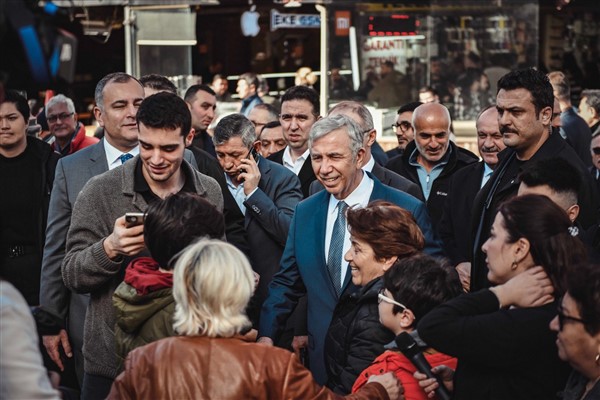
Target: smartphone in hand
134,218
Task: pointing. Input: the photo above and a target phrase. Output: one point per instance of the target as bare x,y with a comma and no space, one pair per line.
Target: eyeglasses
62,117
562,317
383,297
596,151
404,126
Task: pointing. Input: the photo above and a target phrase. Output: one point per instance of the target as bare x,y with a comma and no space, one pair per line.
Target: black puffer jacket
459,158
355,337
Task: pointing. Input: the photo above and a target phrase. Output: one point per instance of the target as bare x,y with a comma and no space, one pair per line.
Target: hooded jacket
144,307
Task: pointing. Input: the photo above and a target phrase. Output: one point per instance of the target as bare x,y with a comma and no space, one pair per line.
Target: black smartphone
253,153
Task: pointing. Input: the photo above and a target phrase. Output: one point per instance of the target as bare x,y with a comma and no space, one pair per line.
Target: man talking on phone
100,243
266,194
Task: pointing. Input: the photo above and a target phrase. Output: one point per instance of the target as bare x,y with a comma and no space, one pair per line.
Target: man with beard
466,182
403,128
202,102
524,102
431,159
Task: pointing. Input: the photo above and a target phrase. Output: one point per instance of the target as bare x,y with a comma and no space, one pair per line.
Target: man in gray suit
117,97
363,117
265,192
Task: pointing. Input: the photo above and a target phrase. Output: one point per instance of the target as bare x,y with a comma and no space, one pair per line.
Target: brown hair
546,226
389,229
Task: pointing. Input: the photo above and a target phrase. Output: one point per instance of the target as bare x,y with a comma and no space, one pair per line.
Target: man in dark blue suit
312,261
266,194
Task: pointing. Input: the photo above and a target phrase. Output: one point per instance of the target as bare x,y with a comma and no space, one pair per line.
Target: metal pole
324,82
128,40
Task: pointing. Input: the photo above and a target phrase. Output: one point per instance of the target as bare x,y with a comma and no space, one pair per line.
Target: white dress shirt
113,155
368,167
294,166
358,198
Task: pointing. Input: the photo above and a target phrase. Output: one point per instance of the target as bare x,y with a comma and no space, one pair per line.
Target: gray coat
87,268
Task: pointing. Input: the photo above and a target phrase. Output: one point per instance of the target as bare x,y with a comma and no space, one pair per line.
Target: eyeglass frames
404,126
596,151
382,297
62,117
562,317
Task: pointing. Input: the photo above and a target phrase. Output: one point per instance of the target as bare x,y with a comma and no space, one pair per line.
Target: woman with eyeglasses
500,335
411,288
380,234
212,285
578,332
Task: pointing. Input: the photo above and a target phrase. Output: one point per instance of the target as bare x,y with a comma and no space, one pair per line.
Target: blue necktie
125,157
336,248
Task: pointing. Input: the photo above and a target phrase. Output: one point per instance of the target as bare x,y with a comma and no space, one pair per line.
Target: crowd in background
278,253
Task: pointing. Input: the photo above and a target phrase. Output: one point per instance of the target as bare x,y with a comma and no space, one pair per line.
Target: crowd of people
278,253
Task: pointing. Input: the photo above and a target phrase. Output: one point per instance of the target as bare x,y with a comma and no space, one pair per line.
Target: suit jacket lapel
264,169
306,173
98,164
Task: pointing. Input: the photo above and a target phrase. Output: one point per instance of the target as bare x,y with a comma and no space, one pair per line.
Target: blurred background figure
392,88
212,285
339,87
305,77
220,86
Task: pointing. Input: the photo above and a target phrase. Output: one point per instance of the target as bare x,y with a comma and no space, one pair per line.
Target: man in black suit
524,102
299,111
364,119
464,185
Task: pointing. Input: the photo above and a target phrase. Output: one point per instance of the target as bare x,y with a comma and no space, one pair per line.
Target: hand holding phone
249,172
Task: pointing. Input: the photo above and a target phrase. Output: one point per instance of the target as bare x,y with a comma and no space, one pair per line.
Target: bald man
455,226
431,159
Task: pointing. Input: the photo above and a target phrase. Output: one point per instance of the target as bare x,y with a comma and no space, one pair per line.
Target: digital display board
392,25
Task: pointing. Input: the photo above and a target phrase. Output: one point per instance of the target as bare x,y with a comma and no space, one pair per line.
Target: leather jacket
221,368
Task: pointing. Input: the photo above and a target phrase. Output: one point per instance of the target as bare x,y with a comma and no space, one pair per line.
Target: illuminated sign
392,25
279,20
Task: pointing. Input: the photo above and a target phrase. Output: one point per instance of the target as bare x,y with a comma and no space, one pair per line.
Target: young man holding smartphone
100,244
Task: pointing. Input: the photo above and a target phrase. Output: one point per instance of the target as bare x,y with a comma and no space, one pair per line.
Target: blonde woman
212,285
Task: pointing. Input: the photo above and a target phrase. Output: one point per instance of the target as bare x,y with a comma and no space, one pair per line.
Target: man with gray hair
68,134
312,261
361,115
266,194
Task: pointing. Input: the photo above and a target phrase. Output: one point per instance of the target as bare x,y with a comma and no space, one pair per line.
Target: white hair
212,285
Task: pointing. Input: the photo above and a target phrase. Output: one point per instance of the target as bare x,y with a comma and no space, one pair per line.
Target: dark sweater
502,354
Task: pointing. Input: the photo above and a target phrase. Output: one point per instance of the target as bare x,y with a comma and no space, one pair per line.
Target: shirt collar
113,154
369,165
359,197
287,156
